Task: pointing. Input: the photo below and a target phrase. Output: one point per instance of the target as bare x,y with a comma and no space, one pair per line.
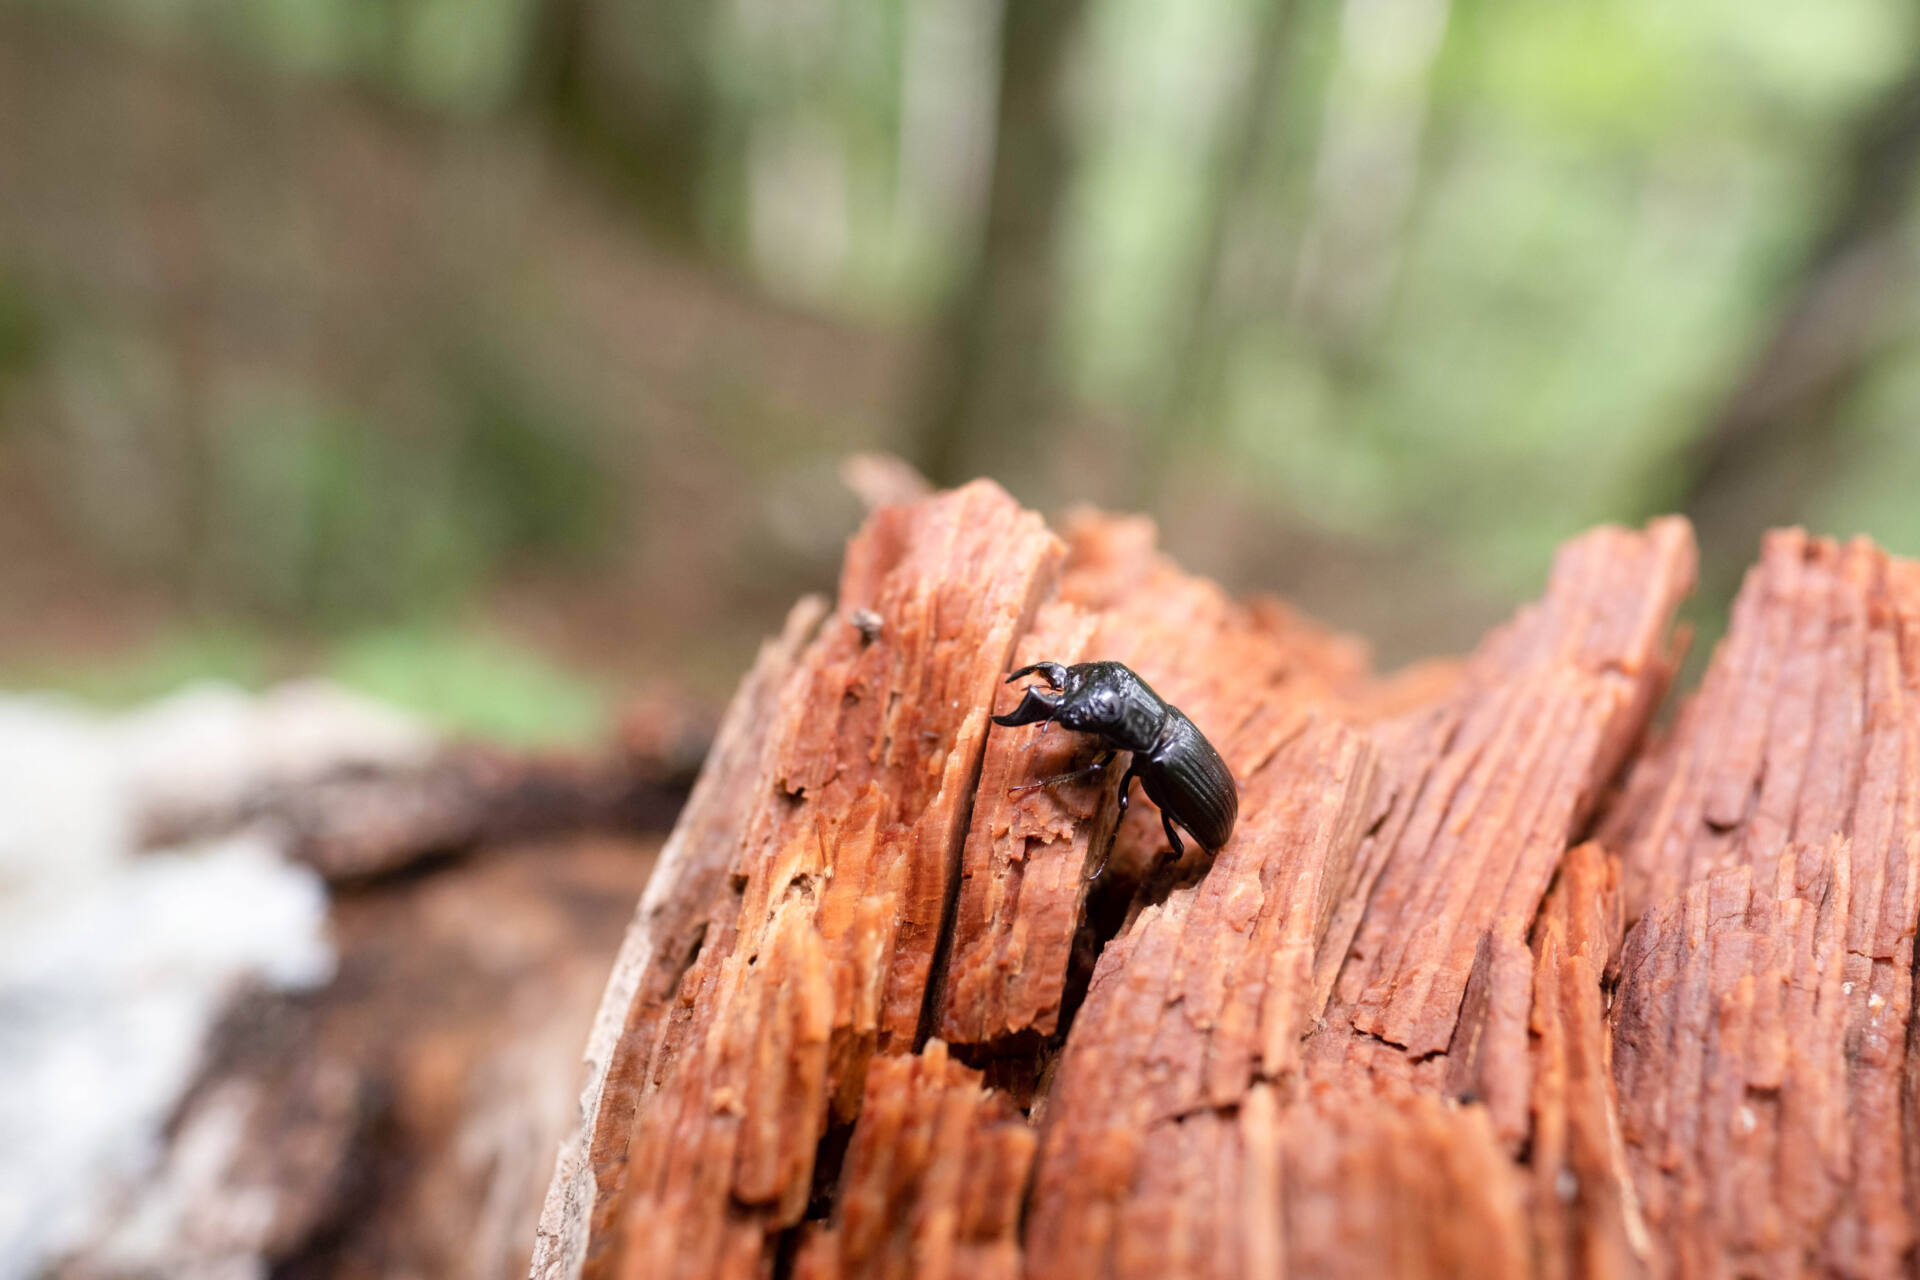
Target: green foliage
474,682
463,55
1874,466
1468,271
529,479
319,512
460,56
228,652
1488,247
465,680
24,330
324,513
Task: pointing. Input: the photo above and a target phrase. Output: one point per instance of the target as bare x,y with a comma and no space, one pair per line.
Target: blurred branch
992,385
1829,324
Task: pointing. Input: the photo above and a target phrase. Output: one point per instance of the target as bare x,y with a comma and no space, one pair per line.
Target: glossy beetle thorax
1109,699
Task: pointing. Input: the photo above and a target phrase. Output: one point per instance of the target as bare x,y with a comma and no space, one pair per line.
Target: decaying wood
401,1119
934,1178
1378,1033
1213,991
1203,995
1730,1042
357,822
684,901
1585,1218
1496,783
1248,672
1403,1187
1806,728
823,929
356,825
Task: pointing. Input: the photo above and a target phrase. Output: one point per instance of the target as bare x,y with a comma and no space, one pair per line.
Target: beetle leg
1166,821
1105,759
1126,785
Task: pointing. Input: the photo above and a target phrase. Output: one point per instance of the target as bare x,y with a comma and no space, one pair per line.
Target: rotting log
1786,806
1498,779
400,1119
872,1020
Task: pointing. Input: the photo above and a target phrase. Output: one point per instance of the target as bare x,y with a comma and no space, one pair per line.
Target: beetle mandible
1177,767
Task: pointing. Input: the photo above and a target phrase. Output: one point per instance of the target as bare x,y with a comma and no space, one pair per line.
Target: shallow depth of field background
495,356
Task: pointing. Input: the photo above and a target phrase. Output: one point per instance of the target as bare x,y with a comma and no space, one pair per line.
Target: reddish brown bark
1496,781
1401,1187
685,902
1373,1035
1584,1216
1806,729
1250,672
1202,996
1731,1057
934,1178
823,931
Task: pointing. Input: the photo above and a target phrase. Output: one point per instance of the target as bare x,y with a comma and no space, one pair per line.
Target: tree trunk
621,87
1202,323
991,385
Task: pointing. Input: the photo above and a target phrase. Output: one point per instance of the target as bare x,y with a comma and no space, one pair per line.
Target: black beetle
1179,769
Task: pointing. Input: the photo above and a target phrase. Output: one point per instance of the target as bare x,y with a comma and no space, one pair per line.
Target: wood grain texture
1787,799
1408,1021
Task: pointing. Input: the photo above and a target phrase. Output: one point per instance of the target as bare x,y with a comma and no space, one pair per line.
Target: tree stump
1479,987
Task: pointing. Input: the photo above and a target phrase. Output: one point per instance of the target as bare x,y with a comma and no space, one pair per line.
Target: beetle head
1102,698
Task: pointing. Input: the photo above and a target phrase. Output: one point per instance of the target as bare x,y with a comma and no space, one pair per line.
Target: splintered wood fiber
1486,983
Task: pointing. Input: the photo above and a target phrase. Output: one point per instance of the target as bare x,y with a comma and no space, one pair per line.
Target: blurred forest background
490,354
